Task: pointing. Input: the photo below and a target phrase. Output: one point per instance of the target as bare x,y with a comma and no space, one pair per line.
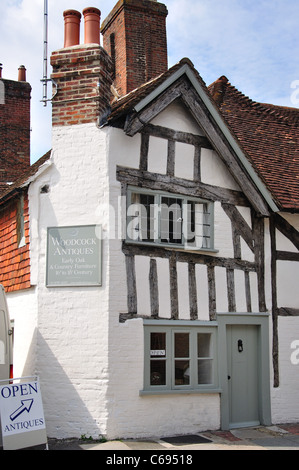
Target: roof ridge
284,113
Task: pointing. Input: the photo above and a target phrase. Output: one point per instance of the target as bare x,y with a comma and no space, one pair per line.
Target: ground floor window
179,357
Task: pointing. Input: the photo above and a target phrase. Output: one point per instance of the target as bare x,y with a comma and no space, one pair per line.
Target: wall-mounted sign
74,256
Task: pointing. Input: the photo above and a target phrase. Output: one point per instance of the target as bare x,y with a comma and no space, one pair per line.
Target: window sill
180,391
171,247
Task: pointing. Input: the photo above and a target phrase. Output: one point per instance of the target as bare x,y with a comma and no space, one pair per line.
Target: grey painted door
243,376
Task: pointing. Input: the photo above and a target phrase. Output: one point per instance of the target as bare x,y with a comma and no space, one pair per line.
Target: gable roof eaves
127,103
26,178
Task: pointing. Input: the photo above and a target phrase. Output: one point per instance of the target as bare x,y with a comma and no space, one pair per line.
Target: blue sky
254,43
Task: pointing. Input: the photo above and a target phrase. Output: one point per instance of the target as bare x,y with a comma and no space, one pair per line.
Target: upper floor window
169,219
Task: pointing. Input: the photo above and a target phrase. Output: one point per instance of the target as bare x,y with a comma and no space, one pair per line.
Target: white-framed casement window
155,217
180,358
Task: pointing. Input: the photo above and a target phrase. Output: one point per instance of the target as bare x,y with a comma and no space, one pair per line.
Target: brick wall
134,34
14,260
14,129
83,79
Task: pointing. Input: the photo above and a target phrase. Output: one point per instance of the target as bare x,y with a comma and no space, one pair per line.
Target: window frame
157,231
170,330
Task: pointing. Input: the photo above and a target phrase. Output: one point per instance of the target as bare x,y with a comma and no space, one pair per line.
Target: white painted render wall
70,331
73,322
284,399
132,415
287,271
23,315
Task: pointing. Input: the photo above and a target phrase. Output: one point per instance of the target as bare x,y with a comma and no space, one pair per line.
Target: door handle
228,377
240,345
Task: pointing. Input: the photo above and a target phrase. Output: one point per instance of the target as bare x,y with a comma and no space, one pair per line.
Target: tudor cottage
150,259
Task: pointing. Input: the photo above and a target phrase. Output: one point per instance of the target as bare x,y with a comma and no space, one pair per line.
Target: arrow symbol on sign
25,406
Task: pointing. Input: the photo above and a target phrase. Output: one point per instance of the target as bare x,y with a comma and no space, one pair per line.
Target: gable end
216,132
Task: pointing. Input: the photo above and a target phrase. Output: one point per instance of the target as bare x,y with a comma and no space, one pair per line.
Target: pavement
280,437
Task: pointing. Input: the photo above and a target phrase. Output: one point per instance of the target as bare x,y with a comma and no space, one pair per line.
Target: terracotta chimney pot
22,74
72,20
92,17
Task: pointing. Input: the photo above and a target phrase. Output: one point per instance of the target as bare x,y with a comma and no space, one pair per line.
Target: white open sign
22,416
158,352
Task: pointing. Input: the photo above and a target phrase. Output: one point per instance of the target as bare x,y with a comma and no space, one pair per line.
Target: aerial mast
45,57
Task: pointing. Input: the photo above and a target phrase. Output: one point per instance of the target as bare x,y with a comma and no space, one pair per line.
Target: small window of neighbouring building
169,219
21,222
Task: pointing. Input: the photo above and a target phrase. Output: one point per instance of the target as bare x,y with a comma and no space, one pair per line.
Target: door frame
261,320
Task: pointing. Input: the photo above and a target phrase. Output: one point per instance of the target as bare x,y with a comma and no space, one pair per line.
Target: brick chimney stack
134,51
134,34
14,126
82,73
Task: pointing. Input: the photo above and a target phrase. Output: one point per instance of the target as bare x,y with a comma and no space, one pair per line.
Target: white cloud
254,43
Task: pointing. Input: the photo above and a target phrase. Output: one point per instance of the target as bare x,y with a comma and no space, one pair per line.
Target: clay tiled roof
8,190
269,135
3,187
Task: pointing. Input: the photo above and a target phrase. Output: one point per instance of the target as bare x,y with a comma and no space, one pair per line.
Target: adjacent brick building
14,162
14,127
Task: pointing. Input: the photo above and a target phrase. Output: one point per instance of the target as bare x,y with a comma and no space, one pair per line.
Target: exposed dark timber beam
157,181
